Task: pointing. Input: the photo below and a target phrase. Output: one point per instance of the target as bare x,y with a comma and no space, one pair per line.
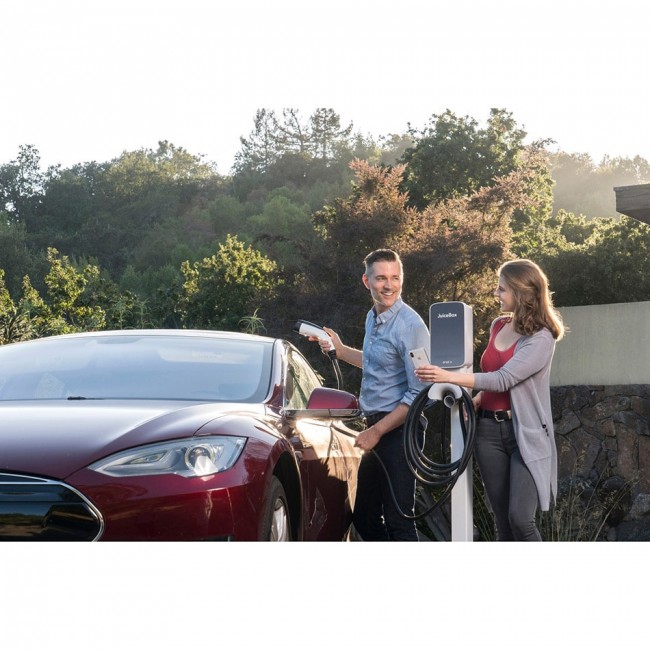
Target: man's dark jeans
375,515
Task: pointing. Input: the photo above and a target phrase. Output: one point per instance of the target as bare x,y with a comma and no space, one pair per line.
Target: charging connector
305,328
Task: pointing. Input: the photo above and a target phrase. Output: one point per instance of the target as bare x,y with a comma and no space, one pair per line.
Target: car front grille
37,509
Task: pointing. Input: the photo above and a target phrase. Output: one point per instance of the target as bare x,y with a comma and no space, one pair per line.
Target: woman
515,444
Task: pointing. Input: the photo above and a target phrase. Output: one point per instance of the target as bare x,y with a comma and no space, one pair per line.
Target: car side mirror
329,403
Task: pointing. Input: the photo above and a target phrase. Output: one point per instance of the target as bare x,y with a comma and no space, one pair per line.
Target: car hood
55,439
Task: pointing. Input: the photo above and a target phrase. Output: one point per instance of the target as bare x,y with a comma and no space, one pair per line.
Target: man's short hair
382,255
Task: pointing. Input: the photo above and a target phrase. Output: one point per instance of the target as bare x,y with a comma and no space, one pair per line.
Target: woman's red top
491,360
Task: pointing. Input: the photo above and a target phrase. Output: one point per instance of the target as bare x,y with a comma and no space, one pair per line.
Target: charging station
452,345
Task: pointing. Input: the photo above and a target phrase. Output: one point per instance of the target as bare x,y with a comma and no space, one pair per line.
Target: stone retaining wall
603,440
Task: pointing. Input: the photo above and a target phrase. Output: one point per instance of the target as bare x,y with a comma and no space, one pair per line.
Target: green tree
259,151
573,229
158,292
221,290
15,324
227,216
534,231
327,135
109,211
15,255
293,135
288,150
392,148
609,266
123,309
454,157
283,231
64,312
21,185
69,203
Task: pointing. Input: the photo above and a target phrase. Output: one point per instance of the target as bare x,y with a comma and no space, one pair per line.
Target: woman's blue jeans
509,485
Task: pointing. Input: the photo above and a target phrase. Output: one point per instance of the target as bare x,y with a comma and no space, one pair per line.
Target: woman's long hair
534,308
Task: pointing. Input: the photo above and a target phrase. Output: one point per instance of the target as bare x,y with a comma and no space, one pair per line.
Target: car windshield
137,367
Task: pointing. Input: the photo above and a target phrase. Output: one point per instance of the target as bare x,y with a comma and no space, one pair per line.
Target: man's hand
325,345
343,352
367,439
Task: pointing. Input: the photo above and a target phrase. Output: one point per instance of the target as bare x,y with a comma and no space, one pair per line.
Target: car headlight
189,458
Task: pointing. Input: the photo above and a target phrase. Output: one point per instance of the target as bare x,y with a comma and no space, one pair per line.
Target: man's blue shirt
388,377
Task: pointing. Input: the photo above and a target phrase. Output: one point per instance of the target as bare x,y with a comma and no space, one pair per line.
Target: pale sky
86,80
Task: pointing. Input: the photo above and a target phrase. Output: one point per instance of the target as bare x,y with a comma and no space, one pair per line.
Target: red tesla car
172,435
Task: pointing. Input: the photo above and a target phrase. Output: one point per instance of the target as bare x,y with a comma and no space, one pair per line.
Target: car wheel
277,524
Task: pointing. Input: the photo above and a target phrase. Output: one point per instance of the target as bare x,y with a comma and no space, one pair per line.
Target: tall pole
462,496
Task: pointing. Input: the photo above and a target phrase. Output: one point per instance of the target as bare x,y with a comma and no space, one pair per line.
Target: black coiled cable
424,469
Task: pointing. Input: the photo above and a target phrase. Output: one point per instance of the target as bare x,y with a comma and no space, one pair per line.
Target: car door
328,459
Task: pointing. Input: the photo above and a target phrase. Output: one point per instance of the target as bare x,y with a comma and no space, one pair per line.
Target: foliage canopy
157,238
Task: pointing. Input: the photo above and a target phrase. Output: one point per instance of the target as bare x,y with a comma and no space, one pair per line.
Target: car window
137,367
301,381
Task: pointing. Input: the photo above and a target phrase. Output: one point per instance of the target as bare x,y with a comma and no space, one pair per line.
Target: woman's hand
434,375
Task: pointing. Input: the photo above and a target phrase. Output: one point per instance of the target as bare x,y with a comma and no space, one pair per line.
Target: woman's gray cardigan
527,377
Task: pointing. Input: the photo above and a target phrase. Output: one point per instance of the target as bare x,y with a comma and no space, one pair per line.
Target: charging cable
424,469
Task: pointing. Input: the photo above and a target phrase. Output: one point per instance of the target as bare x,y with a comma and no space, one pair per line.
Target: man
388,388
